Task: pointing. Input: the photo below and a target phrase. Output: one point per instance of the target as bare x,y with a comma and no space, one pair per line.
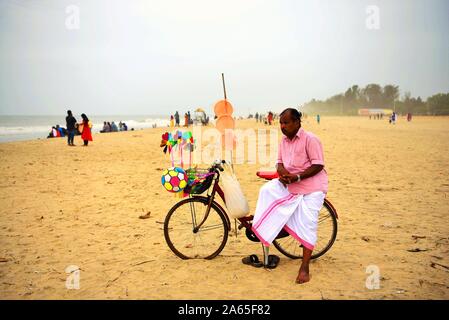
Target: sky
156,57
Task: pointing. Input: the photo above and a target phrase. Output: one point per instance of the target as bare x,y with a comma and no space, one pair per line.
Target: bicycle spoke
321,219
193,214
217,226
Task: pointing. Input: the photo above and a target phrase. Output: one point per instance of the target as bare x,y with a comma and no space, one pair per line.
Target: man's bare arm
309,172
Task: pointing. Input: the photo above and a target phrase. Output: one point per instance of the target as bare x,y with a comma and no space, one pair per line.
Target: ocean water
19,128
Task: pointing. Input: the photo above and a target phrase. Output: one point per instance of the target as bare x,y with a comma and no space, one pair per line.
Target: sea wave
23,130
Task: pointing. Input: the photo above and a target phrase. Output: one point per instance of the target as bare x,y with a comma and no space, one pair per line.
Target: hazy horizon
139,58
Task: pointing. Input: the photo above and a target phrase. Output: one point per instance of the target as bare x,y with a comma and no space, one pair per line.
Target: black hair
69,112
296,115
85,118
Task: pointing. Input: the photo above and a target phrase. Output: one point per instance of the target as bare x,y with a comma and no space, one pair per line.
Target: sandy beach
63,206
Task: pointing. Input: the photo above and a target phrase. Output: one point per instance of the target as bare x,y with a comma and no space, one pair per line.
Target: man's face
289,126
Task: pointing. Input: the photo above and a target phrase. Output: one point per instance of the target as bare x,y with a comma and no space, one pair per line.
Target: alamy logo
73,279
372,22
72,21
373,280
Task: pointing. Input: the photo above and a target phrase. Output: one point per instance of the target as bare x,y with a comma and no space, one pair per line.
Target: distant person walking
70,125
84,129
257,117
393,118
409,116
172,122
177,118
318,119
270,118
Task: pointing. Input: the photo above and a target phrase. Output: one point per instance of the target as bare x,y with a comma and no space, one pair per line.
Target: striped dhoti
277,208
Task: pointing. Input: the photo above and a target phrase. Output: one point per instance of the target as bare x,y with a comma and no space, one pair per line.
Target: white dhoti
277,208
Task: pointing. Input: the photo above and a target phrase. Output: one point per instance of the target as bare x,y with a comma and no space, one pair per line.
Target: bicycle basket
199,180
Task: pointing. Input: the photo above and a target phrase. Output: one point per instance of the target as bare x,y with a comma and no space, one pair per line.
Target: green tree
438,104
373,95
390,95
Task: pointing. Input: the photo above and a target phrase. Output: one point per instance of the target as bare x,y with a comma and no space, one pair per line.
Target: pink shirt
299,154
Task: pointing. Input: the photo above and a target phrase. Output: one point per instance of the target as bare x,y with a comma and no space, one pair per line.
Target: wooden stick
224,87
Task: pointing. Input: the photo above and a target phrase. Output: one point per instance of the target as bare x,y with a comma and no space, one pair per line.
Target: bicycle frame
245,221
210,199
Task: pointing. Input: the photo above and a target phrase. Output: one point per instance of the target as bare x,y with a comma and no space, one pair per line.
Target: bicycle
198,227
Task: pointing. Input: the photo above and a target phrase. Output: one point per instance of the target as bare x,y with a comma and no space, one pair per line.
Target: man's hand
290,178
284,181
282,172
286,177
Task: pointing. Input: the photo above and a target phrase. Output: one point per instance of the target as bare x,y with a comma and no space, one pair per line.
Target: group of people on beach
83,128
57,132
378,116
175,120
392,118
72,129
267,119
112,127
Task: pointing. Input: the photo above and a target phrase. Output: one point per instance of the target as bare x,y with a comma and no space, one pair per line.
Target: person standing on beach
393,118
293,201
318,118
177,118
270,118
70,125
85,131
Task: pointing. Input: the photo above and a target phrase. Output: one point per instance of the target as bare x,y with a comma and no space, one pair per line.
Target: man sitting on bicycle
294,200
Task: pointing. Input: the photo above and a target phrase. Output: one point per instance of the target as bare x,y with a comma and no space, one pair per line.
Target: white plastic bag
235,199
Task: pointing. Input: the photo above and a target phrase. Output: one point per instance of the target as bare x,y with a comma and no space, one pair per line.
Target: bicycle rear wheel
179,232
327,233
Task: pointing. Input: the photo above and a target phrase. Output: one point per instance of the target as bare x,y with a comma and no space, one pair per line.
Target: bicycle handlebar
217,165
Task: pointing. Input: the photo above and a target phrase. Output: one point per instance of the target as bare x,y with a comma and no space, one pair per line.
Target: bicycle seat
268,175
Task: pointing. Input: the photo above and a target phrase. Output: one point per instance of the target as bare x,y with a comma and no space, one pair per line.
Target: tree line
378,97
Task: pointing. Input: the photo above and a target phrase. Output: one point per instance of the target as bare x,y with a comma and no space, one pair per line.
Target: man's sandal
252,260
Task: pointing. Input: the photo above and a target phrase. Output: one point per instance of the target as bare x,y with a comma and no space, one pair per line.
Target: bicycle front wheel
184,240
327,233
